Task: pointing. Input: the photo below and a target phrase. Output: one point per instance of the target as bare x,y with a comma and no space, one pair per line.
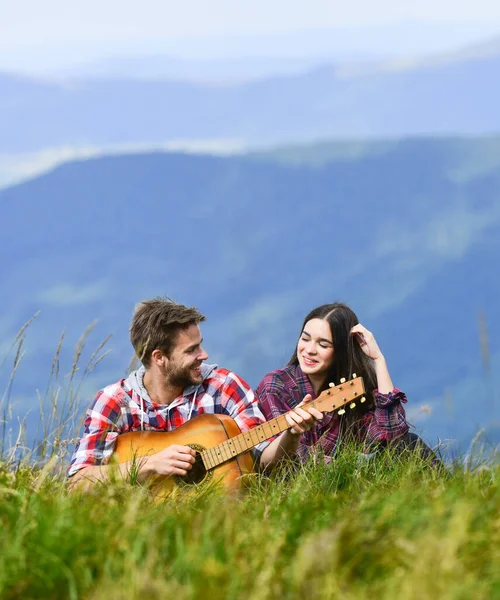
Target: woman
332,345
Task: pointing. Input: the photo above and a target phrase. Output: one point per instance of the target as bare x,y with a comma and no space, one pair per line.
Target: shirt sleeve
242,405
388,419
102,426
276,400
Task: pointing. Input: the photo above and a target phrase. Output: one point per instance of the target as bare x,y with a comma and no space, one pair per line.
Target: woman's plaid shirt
282,390
119,408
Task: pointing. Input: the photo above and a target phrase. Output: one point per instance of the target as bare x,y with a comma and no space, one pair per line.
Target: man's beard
182,376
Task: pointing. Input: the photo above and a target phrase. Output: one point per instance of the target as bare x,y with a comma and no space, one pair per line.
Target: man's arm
86,477
103,424
174,460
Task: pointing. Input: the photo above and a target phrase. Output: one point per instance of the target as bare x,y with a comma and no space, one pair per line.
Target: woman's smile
309,361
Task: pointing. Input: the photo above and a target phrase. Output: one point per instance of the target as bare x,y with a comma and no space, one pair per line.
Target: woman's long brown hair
349,358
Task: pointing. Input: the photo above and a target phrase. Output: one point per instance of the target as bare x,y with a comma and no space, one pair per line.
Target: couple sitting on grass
175,384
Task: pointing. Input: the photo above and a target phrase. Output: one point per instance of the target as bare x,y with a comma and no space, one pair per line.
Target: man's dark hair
156,323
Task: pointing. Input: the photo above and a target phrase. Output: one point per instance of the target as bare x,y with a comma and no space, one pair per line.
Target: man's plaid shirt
125,406
282,390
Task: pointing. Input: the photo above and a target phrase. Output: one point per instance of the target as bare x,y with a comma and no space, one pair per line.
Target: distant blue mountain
443,96
407,232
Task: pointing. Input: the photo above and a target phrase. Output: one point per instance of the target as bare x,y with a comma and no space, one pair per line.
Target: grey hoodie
136,381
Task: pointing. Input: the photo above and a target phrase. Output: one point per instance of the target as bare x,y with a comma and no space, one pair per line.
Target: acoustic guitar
222,449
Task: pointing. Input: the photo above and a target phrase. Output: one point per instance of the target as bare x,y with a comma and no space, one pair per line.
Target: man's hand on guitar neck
300,421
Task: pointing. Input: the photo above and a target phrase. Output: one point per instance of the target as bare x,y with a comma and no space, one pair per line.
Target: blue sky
56,33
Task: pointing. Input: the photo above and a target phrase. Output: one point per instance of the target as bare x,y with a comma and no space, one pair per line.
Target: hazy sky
36,31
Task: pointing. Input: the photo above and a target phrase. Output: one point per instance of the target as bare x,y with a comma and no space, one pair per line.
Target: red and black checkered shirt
125,406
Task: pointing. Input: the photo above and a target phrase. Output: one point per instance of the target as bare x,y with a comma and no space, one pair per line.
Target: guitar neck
213,457
331,399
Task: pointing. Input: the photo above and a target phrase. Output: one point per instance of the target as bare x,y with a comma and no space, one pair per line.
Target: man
173,386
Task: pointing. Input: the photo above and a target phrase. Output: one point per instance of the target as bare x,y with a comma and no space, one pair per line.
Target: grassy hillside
386,528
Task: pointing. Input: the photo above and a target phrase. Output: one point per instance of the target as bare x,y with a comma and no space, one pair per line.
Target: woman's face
315,348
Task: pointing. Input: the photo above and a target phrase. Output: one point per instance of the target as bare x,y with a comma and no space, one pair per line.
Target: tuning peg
363,399
341,411
352,405
331,385
342,380
354,375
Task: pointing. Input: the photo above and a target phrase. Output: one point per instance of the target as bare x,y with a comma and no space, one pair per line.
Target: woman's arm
286,444
275,400
388,419
370,347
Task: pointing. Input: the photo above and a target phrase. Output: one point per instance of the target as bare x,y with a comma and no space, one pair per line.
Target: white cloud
69,294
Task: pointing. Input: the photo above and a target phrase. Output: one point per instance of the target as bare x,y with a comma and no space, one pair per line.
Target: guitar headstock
346,393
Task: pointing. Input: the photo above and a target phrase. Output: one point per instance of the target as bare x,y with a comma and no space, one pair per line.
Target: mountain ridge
451,99
255,244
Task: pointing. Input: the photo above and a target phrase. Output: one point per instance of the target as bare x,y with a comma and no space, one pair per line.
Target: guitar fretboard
213,457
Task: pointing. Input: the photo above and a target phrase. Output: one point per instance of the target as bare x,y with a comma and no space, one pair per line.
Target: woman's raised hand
370,348
367,342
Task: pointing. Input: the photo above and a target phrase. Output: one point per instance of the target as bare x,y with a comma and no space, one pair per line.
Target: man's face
183,367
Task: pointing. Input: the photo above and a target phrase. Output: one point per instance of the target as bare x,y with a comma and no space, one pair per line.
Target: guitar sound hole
196,475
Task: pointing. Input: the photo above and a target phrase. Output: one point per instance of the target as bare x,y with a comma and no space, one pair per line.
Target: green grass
386,528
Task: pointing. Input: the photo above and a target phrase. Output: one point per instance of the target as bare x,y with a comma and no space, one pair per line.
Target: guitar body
201,433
